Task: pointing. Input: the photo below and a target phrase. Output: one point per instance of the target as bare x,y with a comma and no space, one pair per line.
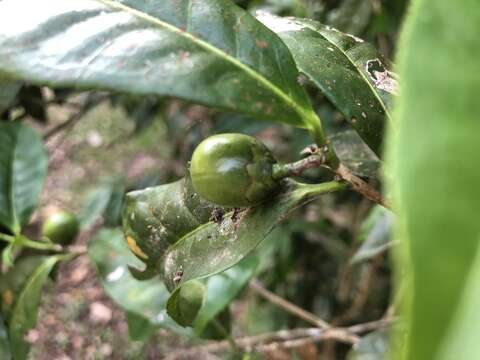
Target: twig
361,186
91,102
288,306
288,338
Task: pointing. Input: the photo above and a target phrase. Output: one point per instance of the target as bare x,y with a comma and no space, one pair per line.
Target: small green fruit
233,170
190,301
61,227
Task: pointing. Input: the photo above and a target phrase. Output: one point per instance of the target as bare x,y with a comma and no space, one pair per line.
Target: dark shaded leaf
8,93
211,52
31,99
24,316
375,233
4,343
434,169
352,16
23,168
349,72
355,154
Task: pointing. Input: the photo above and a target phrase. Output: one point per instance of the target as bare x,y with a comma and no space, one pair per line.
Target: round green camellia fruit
233,170
61,227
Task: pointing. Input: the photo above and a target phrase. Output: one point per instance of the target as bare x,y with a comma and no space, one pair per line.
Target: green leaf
212,248
24,316
211,52
373,346
14,280
4,343
349,71
355,154
147,299
352,16
8,92
139,327
462,339
23,168
434,152
375,233
223,288
97,202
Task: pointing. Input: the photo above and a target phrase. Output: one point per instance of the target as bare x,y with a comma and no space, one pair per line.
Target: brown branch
287,339
92,101
288,306
361,186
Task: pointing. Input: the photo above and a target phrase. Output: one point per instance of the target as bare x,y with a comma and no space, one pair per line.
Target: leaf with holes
211,52
23,168
212,248
349,71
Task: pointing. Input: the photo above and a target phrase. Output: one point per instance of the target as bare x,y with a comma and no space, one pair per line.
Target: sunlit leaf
211,52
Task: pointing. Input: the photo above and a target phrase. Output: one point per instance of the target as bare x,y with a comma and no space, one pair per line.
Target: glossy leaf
434,168
23,168
8,92
24,316
111,256
349,71
210,52
212,248
4,343
355,154
375,234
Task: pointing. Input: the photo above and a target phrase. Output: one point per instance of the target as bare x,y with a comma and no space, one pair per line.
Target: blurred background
327,257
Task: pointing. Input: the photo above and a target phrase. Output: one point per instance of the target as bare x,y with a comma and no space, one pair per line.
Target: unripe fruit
233,170
190,301
61,227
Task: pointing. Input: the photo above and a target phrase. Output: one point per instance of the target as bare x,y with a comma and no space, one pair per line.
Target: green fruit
233,170
189,302
61,227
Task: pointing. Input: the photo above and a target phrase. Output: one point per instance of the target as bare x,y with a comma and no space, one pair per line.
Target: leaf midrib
304,115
